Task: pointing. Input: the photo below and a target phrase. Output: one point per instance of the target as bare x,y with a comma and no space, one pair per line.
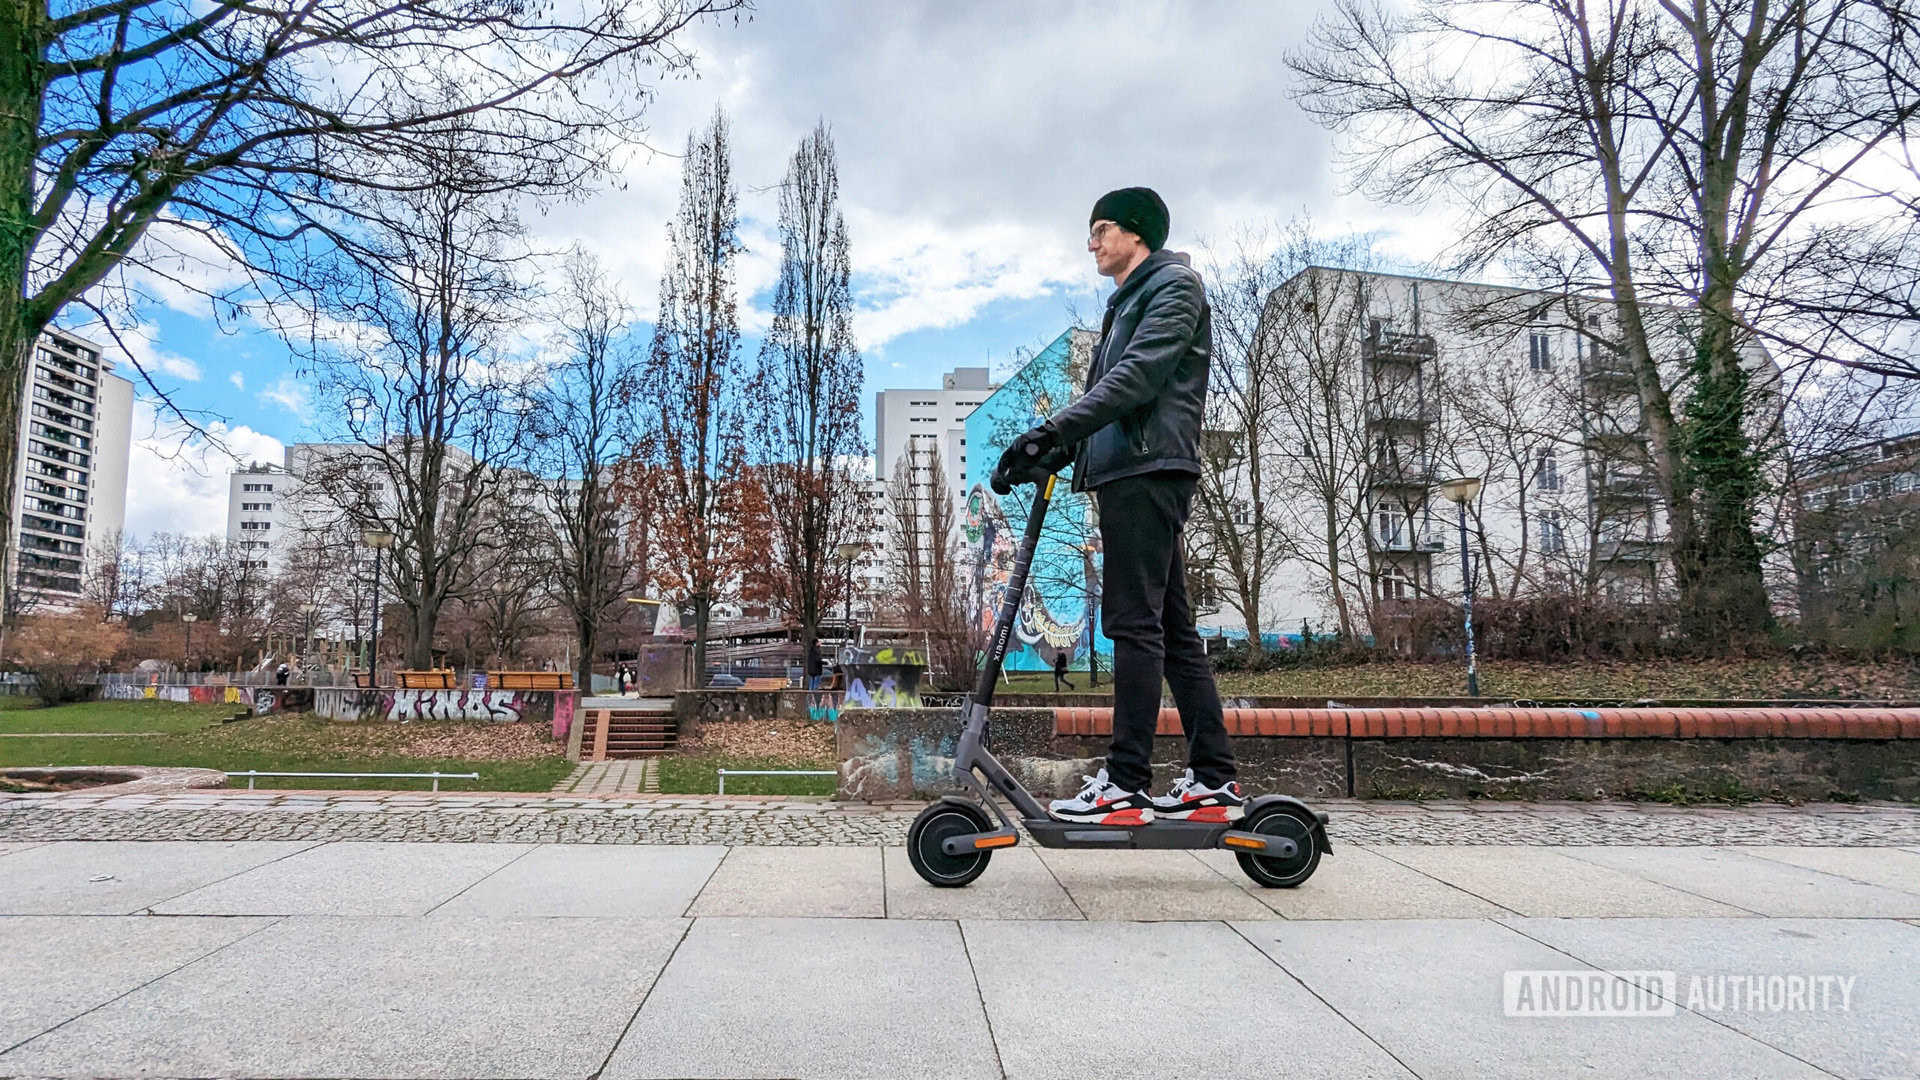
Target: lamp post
379,540
1462,491
307,610
189,619
848,553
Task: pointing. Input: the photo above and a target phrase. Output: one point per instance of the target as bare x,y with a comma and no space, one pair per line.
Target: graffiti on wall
493,706
883,690
824,705
196,695
1058,615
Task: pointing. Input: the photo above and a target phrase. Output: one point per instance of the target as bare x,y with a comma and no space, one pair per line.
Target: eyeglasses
1100,231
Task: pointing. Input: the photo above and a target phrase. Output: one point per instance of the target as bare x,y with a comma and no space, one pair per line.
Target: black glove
1033,457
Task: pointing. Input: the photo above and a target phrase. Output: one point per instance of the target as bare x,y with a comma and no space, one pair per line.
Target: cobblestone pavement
762,820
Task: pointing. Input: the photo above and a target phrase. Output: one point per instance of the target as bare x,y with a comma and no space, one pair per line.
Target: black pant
1058,678
1144,605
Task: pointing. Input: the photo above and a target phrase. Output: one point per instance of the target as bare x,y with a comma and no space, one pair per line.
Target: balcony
1407,543
1625,551
1401,410
1405,473
1383,346
1623,487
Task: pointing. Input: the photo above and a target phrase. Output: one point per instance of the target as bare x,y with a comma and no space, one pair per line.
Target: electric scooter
1278,841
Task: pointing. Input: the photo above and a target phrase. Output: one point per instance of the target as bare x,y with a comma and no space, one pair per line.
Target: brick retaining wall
1431,753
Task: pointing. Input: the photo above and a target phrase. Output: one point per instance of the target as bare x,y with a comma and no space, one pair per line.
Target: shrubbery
65,653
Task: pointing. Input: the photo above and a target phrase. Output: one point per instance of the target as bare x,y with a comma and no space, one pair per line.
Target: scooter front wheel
1293,824
934,825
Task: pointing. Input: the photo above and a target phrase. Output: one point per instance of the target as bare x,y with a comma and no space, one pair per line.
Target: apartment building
70,486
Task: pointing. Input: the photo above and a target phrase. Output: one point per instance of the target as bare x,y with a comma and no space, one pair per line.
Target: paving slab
1149,886
349,878
1547,882
399,998
1869,1027
797,882
1183,998
59,966
1763,886
592,881
1358,884
1017,885
124,877
1431,994
1893,868
819,998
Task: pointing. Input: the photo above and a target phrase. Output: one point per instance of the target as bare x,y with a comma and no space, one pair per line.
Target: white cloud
238,380
177,478
290,394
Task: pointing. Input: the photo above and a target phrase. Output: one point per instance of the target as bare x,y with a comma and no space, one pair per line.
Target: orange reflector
996,841
1246,842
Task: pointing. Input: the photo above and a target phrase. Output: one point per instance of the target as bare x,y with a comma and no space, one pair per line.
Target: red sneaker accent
1216,815
1125,817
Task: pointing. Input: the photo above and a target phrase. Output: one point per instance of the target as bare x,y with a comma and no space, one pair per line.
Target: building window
1242,512
1553,537
1388,524
1546,472
1539,354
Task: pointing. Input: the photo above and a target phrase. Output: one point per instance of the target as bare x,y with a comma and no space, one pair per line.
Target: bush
65,653
1550,626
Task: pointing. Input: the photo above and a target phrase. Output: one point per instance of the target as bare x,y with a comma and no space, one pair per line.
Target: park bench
530,680
765,684
431,679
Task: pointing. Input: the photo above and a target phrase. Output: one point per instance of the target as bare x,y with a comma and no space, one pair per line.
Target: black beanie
1137,210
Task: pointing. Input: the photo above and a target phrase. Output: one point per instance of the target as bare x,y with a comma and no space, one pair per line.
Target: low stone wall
889,754
554,708
260,699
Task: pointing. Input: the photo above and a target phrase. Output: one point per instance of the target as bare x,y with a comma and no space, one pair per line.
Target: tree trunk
23,29
589,636
702,609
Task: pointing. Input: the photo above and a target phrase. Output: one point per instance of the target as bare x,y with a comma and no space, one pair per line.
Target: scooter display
1278,841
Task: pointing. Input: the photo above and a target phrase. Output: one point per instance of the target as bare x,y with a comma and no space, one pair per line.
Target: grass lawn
508,757
697,774
1774,677
26,716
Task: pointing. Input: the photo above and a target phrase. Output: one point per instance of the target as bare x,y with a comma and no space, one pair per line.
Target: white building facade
70,484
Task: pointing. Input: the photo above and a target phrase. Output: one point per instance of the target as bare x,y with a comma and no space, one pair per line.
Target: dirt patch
493,742
784,740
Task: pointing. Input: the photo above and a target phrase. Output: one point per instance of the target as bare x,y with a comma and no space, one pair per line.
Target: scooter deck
1163,835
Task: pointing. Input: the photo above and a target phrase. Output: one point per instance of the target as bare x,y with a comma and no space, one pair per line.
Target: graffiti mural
263,702
883,686
824,705
493,706
1060,613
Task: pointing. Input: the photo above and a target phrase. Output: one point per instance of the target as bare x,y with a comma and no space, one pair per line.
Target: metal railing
724,773
436,777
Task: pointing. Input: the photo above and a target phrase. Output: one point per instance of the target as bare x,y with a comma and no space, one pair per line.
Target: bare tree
1235,531
152,137
808,391
1692,155
693,437
584,428
431,401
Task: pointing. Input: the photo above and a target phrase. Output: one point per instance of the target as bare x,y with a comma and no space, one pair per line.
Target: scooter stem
1016,588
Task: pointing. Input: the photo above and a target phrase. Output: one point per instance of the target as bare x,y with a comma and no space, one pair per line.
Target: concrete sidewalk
349,959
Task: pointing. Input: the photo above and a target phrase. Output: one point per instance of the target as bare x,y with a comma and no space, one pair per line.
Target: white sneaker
1101,802
1190,800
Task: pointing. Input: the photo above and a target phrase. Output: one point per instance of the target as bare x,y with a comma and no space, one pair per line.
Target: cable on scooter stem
1016,589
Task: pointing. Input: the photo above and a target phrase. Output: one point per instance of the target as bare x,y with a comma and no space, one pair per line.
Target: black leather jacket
1147,385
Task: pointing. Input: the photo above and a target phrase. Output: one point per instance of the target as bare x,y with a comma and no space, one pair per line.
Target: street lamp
850,552
307,610
1462,491
189,618
379,540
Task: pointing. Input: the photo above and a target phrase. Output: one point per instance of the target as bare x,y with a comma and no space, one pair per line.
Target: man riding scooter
1133,440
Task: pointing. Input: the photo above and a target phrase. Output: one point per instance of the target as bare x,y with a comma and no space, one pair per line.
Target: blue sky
972,140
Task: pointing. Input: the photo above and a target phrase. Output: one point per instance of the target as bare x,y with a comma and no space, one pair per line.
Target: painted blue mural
1061,613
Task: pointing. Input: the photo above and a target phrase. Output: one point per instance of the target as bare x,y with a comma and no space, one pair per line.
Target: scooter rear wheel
1290,823
934,825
